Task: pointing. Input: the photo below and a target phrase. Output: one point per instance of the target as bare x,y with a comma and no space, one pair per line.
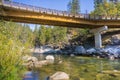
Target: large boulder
50,59
59,76
91,51
80,50
113,50
115,39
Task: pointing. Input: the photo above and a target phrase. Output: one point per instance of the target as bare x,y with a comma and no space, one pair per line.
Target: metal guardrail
22,6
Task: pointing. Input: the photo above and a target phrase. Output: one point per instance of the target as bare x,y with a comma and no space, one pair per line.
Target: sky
85,5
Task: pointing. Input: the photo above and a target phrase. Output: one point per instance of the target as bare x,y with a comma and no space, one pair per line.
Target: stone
50,59
72,55
43,62
37,65
60,62
113,50
98,57
29,58
115,39
91,51
59,76
80,50
111,57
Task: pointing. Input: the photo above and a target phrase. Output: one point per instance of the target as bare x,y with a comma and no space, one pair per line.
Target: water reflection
31,75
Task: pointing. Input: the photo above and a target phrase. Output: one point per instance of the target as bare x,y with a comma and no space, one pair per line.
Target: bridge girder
26,16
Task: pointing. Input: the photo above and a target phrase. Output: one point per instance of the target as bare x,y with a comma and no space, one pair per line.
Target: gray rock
49,50
72,55
111,57
113,50
91,51
80,50
115,39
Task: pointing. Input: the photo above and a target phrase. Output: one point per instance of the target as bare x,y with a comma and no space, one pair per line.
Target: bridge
17,12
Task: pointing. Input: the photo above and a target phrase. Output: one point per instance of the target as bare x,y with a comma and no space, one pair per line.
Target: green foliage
26,36
10,62
13,38
107,9
50,35
42,35
36,36
83,32
74,6
118,8
56,35
99,10
59,34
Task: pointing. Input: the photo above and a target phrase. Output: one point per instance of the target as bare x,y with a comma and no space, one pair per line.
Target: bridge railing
57,12
40,9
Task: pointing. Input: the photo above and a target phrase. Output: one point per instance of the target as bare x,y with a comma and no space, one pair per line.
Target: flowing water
83,68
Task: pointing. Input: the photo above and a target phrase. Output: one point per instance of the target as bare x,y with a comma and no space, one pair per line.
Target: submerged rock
59,76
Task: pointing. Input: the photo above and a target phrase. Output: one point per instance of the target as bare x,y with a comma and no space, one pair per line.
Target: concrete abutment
97,35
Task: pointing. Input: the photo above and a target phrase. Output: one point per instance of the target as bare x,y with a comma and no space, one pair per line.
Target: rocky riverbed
111,50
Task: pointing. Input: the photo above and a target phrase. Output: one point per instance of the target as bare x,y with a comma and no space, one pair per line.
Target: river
86,68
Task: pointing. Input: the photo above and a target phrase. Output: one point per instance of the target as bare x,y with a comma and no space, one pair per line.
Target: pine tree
97,3
48,35
36,36
74,6
118,8
42,35
69,6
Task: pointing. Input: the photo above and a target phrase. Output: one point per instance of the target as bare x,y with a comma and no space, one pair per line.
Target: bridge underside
41,18
24,16
44,22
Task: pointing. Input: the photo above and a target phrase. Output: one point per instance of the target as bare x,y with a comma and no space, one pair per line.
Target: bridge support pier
97,35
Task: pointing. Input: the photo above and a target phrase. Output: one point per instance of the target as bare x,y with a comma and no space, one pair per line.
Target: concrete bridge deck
17,12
